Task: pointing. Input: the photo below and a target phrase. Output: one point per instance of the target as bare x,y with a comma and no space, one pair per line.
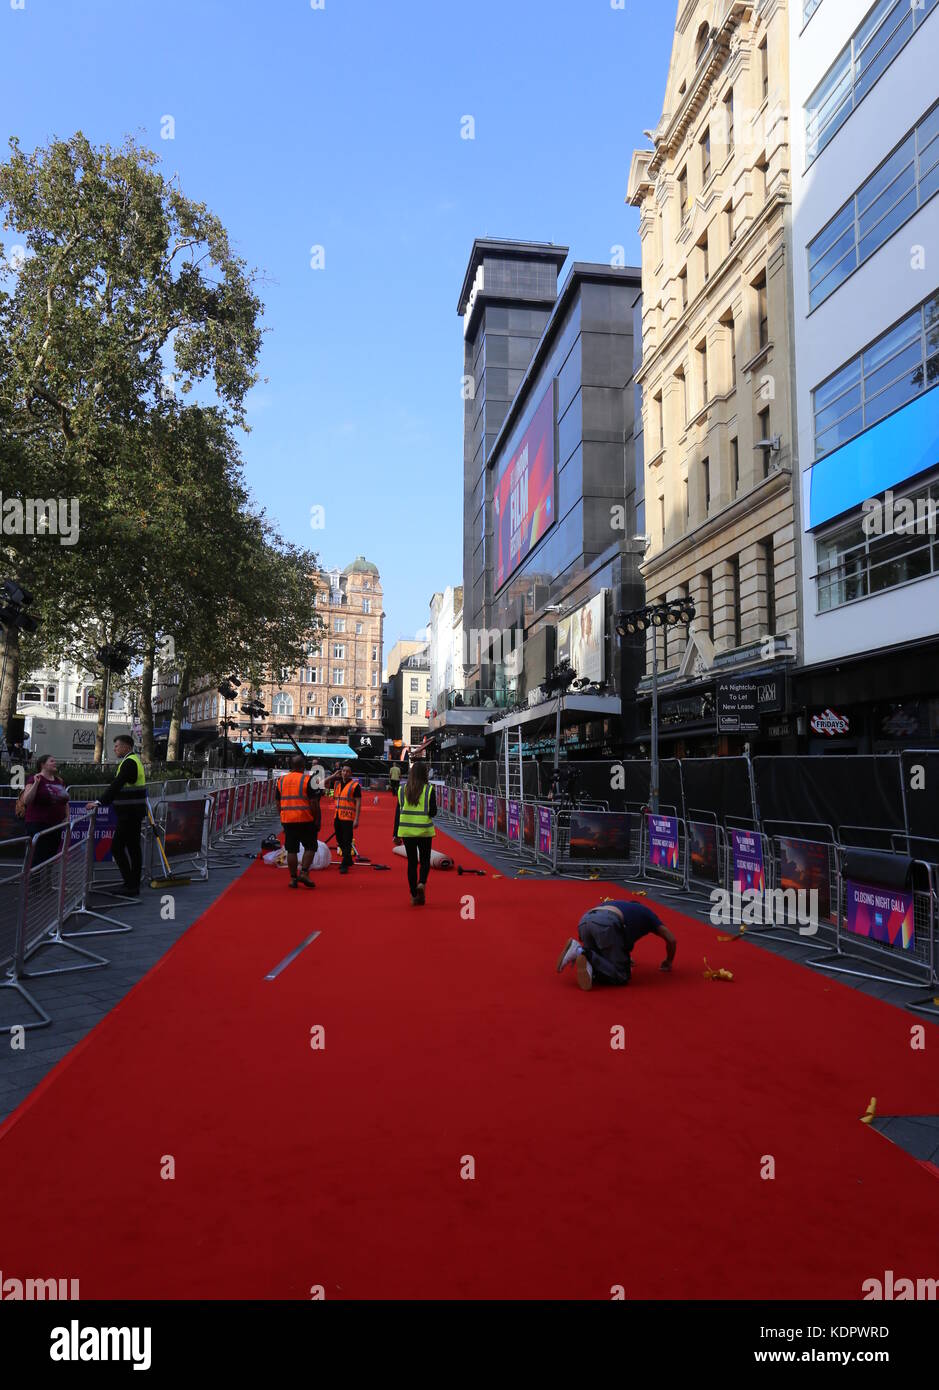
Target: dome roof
361,566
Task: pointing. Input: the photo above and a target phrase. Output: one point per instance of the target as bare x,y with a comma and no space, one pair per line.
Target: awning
601,705
309,750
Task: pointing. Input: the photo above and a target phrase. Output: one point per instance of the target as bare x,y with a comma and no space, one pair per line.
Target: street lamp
655,615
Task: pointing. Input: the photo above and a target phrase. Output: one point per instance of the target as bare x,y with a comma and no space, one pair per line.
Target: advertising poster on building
183,833
599,835
582,639
523,500
702,846
803,865
490,813
544,830
748,860
221,809
881,914
474,806
663,841
528,824
105,826
515,820
500,815
240,796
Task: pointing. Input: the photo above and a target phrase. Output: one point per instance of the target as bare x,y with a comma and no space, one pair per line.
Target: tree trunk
104,695
146,702
10,664
176,718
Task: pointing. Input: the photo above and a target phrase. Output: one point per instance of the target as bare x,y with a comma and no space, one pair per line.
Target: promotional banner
459,802
528,827
803,864
253,802
105,826
663,841
581,638
473,806
221,809
240,796
882,914
523,499
515,819
599,835
490,813
183,833
702,846
500,815
544,830
748,860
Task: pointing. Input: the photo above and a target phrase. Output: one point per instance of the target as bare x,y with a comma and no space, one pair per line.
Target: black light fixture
654,615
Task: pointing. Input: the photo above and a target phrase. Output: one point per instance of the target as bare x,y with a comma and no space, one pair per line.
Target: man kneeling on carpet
299,802
414,824
608,933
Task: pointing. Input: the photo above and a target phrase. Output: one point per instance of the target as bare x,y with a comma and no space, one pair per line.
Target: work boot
584,972
307,881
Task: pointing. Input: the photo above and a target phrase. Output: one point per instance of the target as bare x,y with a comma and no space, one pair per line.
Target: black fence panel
853,790
721,785
920,772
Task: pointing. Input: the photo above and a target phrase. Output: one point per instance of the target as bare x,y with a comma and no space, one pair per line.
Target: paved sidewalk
79,1000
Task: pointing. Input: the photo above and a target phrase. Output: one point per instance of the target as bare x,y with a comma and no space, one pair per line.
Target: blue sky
340,127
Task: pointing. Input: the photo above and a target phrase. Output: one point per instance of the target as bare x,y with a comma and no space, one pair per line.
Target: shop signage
829,723
741,701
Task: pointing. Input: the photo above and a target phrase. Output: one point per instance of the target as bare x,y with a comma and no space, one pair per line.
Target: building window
687,497
762,311
705,262
360,699
735,599
761,180
683,194
413,707
662,517
658,421
339,625
683,388
769,569
338,709
683,287
701,42
897,366
702,351
729,223
366,605
904,182
808,9
729,120
762,431
282,703
705,143
32,695
339,651
734,466
887,28
358,629
709,590
414,682
339,675
852,564
374,653
706,478
764,69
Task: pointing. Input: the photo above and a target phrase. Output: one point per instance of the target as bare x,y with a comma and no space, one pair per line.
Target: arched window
338,709
701,42
31,695
90,697
51,693
282,703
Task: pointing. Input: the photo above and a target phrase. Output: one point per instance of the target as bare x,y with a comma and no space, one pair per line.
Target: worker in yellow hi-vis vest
414,825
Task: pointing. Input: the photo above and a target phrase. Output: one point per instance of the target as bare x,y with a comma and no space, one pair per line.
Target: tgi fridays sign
829,723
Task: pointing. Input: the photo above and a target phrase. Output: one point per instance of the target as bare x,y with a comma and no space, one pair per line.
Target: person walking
348,806
608,934
394,779
45,798
299,802
127,791
414,825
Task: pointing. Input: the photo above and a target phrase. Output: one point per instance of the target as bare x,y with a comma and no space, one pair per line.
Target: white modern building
445,631
865,172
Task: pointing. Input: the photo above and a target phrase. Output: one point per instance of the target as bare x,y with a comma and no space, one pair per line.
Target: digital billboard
581,638
523,503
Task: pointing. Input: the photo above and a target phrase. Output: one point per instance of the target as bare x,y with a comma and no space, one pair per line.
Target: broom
170,880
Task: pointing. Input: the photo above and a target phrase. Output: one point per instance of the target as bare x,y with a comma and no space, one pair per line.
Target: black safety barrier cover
920,771
721,785
855,790
878,868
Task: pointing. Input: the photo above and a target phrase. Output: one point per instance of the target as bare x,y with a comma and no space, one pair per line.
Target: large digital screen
523,504
581,638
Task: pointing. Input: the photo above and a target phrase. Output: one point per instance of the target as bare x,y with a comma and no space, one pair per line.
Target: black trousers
343,830
417,847
125,847
605,947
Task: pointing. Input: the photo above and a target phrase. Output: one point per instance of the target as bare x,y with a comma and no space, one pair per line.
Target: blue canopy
309,750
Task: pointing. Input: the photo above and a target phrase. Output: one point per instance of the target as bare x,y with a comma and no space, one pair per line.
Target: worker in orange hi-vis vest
298,799
348,804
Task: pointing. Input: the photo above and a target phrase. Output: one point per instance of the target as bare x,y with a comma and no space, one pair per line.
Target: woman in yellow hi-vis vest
414,824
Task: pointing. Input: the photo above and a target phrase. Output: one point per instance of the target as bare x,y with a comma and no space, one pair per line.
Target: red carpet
449,1036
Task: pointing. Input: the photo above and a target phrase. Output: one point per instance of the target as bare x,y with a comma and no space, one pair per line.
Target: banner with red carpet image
599,835
515,820
500,815
221,809
748,860
474,806
105,826
702,846
240,795
523,500
183,833
528,828
490,813
544,830
882,914
803,864
663,841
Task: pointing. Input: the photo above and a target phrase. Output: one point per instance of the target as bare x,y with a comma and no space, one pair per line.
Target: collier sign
741,701
830,723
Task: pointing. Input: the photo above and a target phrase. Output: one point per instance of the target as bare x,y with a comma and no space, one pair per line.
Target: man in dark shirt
127,790
608,934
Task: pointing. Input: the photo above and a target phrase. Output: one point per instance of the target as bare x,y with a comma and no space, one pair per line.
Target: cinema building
865,147
552,499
